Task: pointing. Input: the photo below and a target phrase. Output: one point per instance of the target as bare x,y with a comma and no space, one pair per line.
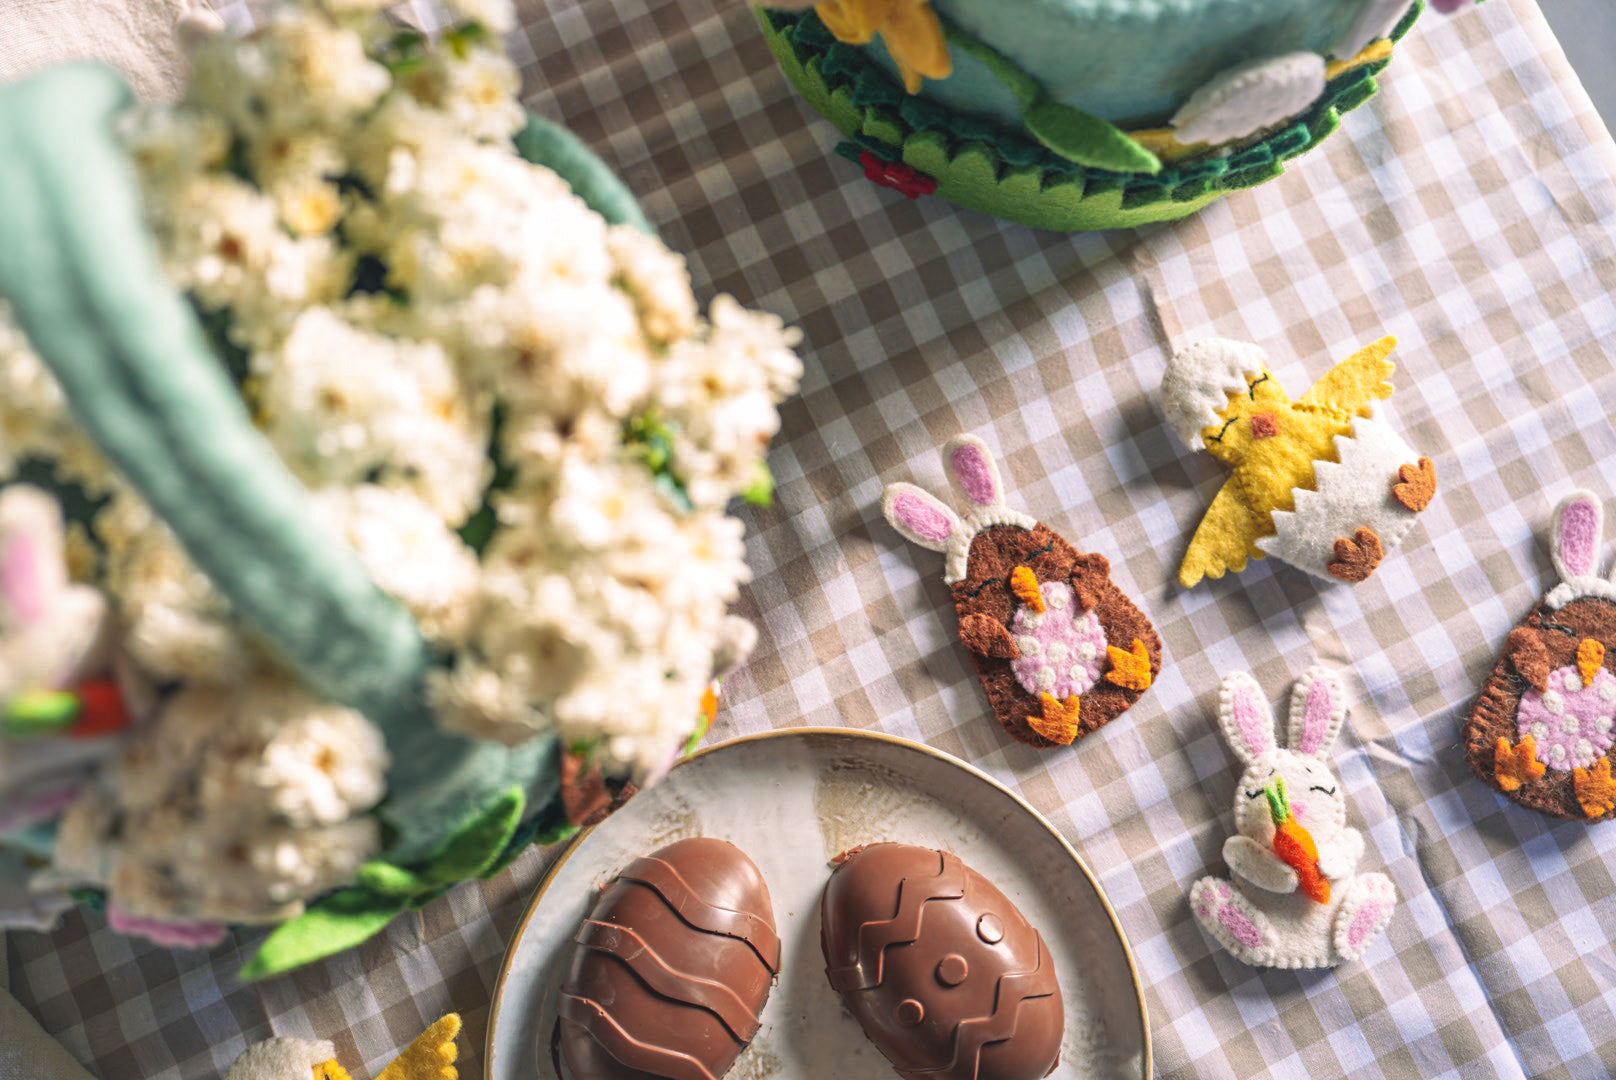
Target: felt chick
1315,481
431,1056
1295,899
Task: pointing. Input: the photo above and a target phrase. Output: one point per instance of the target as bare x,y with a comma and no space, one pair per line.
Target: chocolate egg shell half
672,968
948,978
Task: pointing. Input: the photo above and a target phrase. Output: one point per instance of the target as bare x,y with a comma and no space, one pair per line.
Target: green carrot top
1278,804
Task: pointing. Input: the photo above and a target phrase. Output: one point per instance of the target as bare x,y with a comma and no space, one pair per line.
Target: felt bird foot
1418,485
1130,670
1517,765
1357,558
1059,724
1596,791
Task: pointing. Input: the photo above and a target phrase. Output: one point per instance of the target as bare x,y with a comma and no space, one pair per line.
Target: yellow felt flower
912,31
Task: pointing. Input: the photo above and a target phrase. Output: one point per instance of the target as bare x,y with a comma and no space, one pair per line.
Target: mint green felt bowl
81,273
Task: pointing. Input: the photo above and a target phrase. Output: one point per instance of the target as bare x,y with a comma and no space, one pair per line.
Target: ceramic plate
792,800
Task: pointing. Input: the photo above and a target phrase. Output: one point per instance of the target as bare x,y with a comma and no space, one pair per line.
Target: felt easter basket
81,273
920,148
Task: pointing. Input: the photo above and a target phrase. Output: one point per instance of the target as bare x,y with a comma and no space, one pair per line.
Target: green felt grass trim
982,166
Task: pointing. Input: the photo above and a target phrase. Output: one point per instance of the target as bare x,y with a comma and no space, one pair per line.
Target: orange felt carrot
1295,844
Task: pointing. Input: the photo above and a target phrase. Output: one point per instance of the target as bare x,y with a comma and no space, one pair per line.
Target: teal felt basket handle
82,275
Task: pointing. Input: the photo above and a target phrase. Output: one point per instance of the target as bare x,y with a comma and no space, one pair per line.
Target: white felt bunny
1286,907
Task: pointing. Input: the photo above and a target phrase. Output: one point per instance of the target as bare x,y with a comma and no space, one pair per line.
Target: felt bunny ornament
1541,732
1058,647
53,642
1296,899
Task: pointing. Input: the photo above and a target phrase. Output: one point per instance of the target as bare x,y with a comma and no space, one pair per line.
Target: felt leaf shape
1518,764
1596,791
1357,558
1059,721
465,855
431,1056
1418,485
1087,139
1130,669
1245,99
331,924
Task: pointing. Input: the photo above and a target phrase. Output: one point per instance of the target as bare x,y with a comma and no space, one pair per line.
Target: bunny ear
974,471
1244,716
1578,528
32,567
920,516
1318,709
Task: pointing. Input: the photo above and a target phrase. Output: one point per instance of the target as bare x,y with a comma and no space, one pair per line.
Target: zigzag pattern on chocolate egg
875,938
970,1036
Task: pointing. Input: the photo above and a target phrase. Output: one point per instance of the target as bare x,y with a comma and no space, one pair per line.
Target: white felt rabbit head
1318,708
1574,545
51,631
924,519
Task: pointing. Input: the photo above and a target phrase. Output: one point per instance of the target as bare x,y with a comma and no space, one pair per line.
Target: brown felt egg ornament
948,978
672,968
1060,650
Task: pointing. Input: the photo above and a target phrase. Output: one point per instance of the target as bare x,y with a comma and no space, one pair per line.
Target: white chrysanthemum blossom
513,413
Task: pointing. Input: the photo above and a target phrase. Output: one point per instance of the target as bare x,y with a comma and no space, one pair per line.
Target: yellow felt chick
431,1056
1307,476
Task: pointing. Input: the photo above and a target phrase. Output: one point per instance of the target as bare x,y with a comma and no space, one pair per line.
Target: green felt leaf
39,712
479,843
1087,139
760,492
337,922
385,879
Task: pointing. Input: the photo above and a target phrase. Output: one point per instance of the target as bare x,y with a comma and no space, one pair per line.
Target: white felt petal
281,1059
1348,495
1248,98
1377,21
1199,379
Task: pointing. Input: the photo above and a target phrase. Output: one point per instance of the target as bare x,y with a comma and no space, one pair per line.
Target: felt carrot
1294,844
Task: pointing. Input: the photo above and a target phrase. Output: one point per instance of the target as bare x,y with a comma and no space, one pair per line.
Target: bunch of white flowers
512,411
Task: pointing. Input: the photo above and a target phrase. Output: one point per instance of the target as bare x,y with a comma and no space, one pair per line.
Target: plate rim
543,887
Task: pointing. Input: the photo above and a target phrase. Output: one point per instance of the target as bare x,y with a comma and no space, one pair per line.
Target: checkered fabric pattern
1469,209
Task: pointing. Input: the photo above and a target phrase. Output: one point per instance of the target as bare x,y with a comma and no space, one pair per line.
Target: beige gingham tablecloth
1470,210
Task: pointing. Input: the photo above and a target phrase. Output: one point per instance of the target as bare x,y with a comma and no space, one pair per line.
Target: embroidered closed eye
1566,630
1254,794
1326,790
1222,431
1258,383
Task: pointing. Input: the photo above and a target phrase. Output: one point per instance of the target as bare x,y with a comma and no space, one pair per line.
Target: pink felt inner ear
1579,537
20,580
922,518
1316,720
975,474
1255,729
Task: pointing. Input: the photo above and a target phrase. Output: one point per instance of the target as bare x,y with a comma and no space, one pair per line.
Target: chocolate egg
948,978
672,968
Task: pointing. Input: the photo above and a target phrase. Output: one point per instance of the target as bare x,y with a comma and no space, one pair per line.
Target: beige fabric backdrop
1470,209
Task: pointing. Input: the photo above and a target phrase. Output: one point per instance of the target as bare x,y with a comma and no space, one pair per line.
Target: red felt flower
898,176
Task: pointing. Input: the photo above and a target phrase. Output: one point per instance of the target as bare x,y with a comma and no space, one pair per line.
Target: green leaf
1088,140
760,492
478,844
337,922
385,879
